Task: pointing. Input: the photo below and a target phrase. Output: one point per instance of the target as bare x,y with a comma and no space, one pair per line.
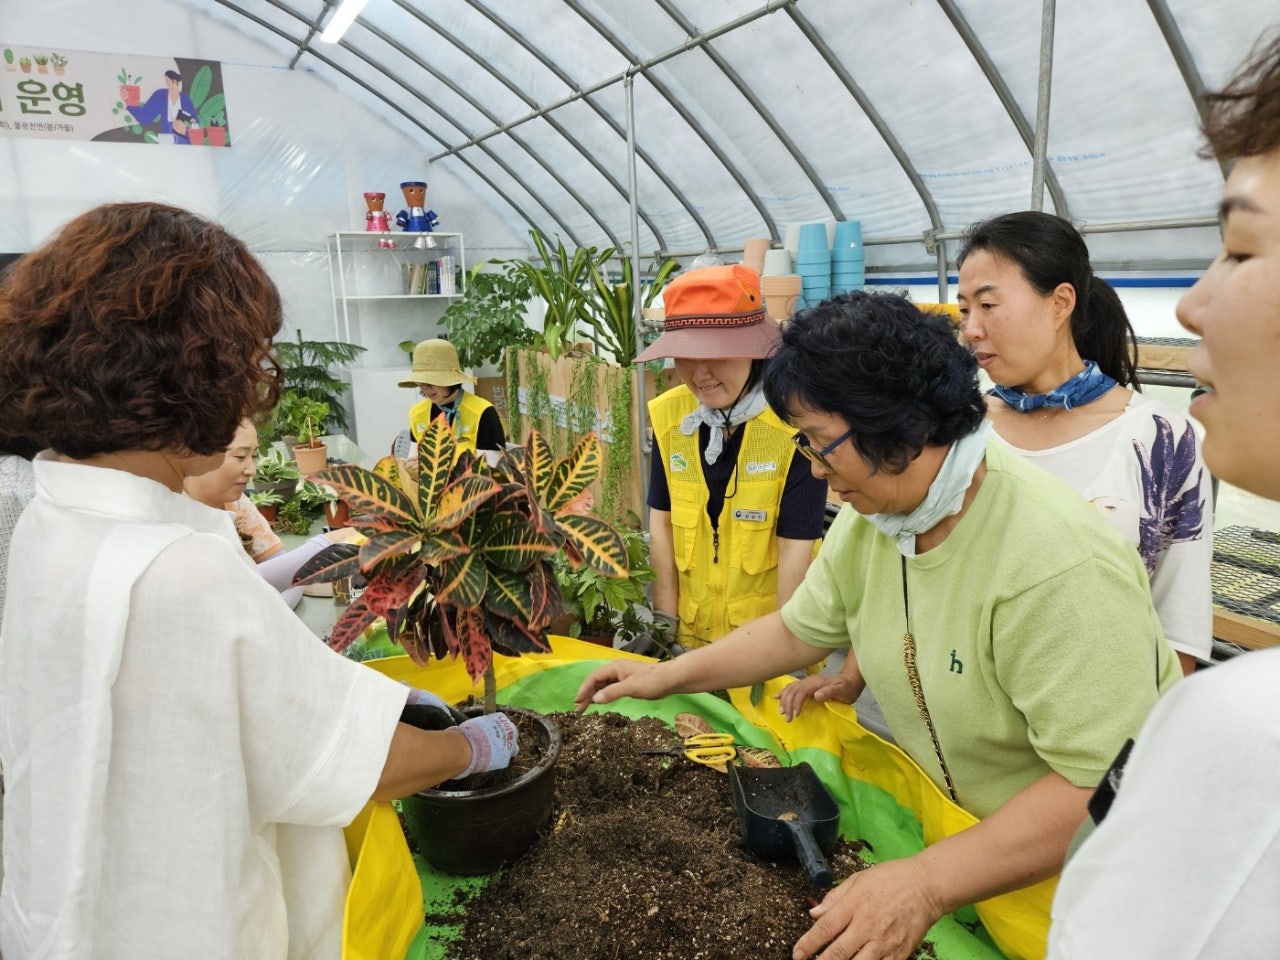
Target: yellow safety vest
465,425
729,577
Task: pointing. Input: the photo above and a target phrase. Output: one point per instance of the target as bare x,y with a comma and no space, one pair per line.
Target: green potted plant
268,503
562,281
611,311
42,62
308,367
311,453
59,63
8,59
491,316
25,64
608,610
307,505
460,562
276,474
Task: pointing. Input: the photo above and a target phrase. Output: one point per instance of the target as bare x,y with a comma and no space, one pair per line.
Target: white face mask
946,493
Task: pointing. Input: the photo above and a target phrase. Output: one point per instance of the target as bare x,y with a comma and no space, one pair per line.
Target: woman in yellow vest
734,510
438,376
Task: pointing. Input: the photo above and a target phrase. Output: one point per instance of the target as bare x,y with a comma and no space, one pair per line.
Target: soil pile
645,861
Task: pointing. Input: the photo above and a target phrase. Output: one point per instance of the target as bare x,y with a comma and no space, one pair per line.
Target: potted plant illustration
311,453
130,88
42,62
268,503
59,63
459,562
25,64
8,60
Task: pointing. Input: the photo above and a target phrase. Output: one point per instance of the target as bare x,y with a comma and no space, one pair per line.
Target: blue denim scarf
1085,387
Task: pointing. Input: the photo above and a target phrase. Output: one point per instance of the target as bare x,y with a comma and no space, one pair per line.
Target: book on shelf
434,277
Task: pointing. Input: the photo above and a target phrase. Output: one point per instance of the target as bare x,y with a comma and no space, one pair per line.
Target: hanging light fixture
342,18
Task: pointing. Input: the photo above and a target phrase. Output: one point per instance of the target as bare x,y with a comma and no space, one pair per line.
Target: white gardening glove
427,711
494,741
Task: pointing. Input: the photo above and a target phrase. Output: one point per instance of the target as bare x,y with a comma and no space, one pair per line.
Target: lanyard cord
913,675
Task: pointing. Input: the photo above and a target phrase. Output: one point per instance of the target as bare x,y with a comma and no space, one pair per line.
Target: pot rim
549,761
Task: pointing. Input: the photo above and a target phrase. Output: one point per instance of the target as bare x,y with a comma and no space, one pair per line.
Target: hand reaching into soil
836,688
881,913
620,678
426,711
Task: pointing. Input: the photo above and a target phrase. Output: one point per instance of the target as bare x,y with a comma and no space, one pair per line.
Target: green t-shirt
1036,642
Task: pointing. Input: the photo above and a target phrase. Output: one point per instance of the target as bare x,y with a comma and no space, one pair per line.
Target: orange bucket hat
715,313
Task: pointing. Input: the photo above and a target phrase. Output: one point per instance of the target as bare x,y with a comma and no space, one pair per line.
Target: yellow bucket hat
435,362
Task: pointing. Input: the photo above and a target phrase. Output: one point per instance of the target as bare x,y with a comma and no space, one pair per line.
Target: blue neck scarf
450,409
1085,387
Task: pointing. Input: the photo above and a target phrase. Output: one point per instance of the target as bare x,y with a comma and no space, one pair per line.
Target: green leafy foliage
459,558
299,416
308,372
564,282
602,604
274,467
611,312
491,317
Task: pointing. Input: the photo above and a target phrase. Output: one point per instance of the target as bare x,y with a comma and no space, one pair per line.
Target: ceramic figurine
377,220
416,219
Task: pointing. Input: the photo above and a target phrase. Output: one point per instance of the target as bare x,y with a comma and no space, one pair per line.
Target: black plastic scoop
787,813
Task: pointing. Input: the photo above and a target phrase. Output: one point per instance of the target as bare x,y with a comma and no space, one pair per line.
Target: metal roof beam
271,28
677,105
1002,91
555,69
765,114
479,61
1185,61
537,158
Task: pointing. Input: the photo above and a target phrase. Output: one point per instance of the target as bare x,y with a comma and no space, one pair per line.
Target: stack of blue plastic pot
848,257
813,263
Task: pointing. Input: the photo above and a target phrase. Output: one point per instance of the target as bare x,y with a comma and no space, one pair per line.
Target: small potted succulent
42,62
59,63
8,60
25,64
460,562
276,474
268,503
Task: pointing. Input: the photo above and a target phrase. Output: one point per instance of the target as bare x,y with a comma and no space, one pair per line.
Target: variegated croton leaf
353,622
331,563
372,496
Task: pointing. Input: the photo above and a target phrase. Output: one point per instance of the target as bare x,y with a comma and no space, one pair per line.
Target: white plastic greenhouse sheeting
424,78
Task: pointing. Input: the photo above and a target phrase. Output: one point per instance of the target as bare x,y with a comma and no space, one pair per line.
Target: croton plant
459,558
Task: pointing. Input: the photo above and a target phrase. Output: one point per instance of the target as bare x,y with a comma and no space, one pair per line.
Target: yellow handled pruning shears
714,750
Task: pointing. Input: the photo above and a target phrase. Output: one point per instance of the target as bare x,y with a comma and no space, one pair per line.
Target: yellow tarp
384,905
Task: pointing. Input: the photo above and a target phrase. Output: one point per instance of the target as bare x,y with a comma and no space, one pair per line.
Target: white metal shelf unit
372,307
382,296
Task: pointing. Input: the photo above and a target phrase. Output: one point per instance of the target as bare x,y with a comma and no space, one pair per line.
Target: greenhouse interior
640,479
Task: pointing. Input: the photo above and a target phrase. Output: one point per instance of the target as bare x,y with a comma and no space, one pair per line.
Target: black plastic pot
477,831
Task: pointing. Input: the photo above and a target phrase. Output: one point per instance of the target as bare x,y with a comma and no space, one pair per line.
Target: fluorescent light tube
342,18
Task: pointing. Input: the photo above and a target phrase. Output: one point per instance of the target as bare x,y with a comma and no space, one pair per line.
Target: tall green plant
491,317
564,282
460,560
611,312
308,372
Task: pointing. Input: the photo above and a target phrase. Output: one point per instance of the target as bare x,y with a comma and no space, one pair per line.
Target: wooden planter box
570,373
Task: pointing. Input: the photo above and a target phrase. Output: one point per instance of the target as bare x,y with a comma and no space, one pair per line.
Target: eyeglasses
819,456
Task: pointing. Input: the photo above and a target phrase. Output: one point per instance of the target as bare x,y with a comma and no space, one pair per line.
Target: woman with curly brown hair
180,752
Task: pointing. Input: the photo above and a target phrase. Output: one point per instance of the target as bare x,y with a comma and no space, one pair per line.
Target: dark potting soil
644,860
